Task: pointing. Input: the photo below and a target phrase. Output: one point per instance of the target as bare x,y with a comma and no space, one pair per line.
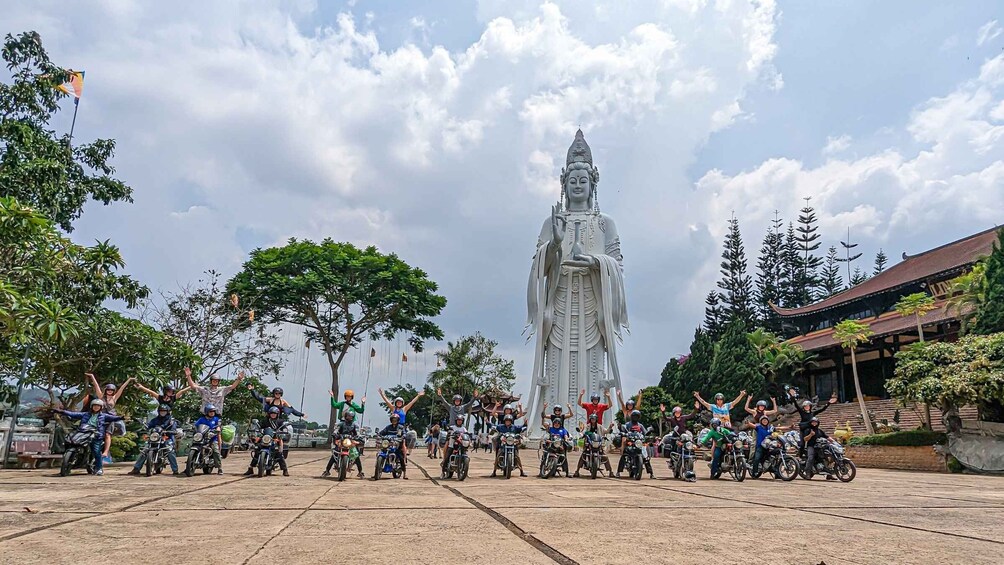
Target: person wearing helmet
676,420
97,418
763,431
274,424
631,405
557,428
215,393
556,413
346,428
721,409
275,400
109,394
806,413
594,429
761,408
396,429
517,411
211,419
398,405
346,405
508,426
594,406
634,425
167,396
165,422
815,431
717,436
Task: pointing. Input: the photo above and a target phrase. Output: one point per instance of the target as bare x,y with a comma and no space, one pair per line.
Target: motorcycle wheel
67,464
846,470
594,466
464,467
343,463
506,471
804,472
638,466
787,468
190,464
261,465
739,471
149,467
550,467
206,469
379,468
677,465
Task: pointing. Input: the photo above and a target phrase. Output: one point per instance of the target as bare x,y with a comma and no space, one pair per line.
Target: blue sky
437,130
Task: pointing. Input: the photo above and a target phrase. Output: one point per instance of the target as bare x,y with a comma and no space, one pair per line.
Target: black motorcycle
78,451
831,461
592,451
555,454
633,454
776,459
200,454
459,462
508,446
734,456
679,453
158,446
266,450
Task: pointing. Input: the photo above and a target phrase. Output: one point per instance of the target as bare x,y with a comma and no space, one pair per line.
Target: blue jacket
558,432
763,433
213,422
101,419
514,429
167,423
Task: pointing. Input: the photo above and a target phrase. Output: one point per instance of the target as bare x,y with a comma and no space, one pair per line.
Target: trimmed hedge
916,437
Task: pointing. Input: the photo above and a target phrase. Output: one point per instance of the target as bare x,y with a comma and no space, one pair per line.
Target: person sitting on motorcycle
347,428
595,406
761,409
285,408
395,429
275,424
454,431
508,427
164,421
557,428
763,431
717,436
555,413
97,418
634,425
720,409
212,421
593,428
806,413
516,412
814,433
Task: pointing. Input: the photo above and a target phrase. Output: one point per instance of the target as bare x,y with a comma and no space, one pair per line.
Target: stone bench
35,460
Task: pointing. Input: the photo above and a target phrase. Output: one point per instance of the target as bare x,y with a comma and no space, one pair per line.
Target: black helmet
209,408
164,408
273,410
635,415
630,402
168,387
457,398
277,390
594,397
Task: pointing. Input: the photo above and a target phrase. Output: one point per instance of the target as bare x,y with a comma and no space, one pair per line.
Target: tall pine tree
858,277
990,313
736,284
714,315
770,276
830,281
791,270
880,262
807,245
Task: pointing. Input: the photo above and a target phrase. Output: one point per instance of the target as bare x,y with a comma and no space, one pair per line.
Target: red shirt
598,409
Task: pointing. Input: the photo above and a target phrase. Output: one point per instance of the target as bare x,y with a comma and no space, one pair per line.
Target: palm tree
917,305
967,293
850,334
776,355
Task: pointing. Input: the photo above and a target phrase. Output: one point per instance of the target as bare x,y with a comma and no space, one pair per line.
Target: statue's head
579,177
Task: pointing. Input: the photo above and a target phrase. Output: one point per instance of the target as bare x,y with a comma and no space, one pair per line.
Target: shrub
916,437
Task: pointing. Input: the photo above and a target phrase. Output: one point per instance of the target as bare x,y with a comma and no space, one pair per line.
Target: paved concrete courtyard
881,517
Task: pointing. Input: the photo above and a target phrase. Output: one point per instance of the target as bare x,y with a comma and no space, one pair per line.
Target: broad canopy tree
341,295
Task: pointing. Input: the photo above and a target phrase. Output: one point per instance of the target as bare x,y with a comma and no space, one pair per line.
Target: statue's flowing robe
575,314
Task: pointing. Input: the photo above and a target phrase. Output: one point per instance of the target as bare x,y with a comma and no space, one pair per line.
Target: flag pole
366,387
73,124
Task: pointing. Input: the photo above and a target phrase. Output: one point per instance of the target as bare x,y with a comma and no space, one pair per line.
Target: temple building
873,301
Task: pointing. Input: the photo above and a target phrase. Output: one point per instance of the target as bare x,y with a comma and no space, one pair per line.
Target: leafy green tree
471,363
652,398
695,369
917,305
778,358
990,313
736,285
951,375
736,366
770,276
38,167
340,295
851,334
967,293
670,374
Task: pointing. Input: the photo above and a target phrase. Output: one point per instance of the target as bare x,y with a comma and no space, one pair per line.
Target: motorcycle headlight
266,439
596,444
385,444
347,442
510,440
197,437
466,442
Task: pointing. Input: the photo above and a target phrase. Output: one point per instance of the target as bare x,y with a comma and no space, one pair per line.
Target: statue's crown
579,151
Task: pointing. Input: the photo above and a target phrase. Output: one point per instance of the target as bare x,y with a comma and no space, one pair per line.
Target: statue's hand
587,261
557,226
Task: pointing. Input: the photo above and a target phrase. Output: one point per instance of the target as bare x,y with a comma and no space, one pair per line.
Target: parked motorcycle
387,459
158,445
508,446
634,444
592,450
345,452
555,453
200,454
831,461
734,456
679,452
459,462
78,451
777,460
266,449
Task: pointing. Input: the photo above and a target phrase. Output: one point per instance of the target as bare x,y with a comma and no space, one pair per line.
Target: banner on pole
74,87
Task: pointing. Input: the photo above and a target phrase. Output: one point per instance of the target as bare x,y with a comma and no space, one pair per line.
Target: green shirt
340,404
714,435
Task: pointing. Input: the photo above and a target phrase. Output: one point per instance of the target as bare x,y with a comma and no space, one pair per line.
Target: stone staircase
910,417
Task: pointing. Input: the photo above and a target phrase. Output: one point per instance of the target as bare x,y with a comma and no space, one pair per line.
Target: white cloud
836,144
988,32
